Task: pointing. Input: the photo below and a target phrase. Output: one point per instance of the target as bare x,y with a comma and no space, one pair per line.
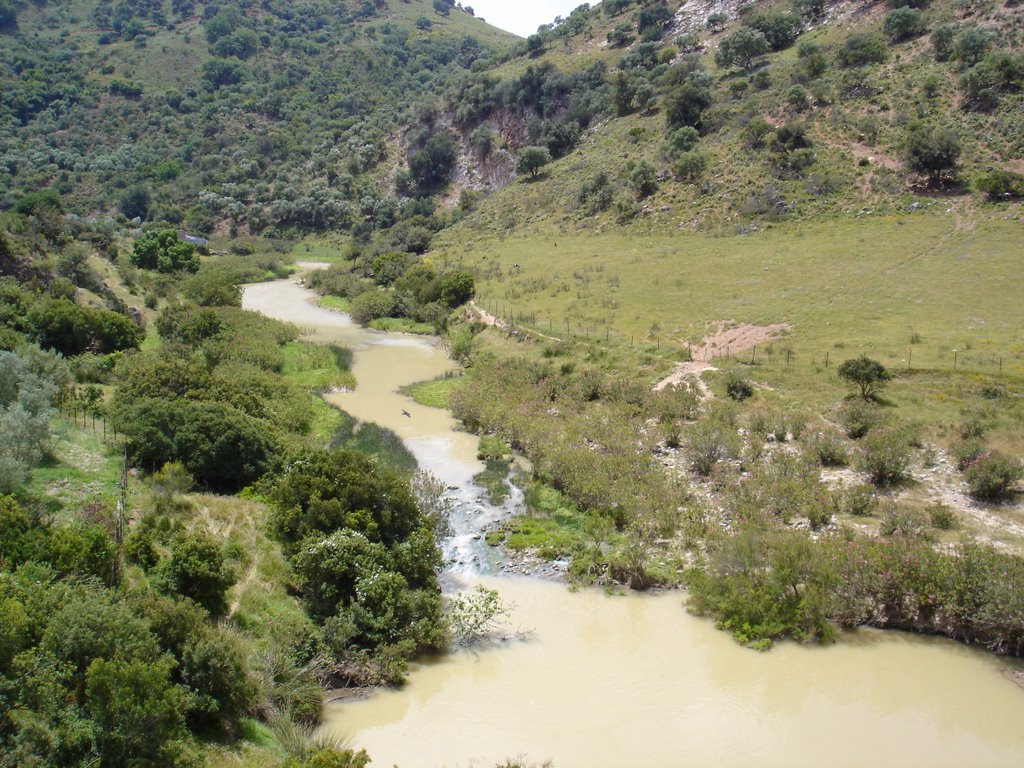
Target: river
587,679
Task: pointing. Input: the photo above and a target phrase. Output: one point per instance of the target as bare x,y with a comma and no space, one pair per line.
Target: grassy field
436,393
909,291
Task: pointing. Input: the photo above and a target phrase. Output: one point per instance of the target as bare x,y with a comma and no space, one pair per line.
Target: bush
861,49
942,39
373,305
195,569
903,523
993,476
942,517
643,180
738,386
826,448
903,24
860,500
161,250
708,442
1001,185
858,417
689,166
886,456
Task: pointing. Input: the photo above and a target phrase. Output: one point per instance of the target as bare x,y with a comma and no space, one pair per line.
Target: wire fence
916,356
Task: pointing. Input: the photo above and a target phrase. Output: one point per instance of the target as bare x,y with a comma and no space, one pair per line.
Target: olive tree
932,150
867,375
531,159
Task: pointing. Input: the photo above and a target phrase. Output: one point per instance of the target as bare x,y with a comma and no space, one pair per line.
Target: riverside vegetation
678,174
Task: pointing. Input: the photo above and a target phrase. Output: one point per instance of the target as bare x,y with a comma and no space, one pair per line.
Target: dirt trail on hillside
730,339
726,339
479,314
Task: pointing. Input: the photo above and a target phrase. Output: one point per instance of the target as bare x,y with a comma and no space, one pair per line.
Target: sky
522,16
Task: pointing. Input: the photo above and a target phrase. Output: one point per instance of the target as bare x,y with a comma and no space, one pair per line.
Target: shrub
942,39
903,24
1001,185
738,386
373,305
903,523
942,517
685,105
690,166
886,456
968,450
708,442
860,500
861,49
826,448
993,476
195,569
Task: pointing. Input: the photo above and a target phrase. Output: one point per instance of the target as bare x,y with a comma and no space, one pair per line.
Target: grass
402,325
318,368
845,287
337,303
552,528
327,248
82,468
436,393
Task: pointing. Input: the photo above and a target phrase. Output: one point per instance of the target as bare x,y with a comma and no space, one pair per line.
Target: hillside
209,113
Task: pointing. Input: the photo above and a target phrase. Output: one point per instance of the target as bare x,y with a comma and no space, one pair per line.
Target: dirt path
688,371
731,338
481,315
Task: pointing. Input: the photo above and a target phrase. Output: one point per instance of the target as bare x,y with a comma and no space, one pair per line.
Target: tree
932,150
716,21
195,569
134,203
903,24
741,48
971,45
942,39
161,250
431,164
531,159
779,29
685,105
456,289
867,375
137,710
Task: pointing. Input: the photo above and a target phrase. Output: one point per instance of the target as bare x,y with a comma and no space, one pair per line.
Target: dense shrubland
385,285
152,634
763,546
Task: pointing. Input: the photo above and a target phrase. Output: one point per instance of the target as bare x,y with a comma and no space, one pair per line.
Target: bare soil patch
728,339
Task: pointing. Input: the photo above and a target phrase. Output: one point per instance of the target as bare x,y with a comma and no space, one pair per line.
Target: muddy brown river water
601,681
